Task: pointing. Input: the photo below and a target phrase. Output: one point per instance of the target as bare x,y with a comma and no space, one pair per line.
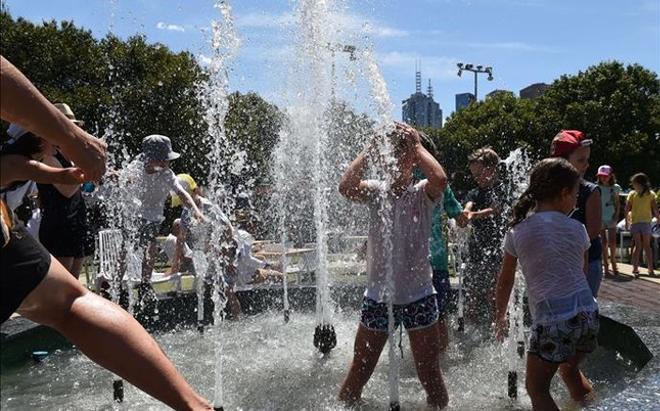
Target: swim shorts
442,288
416,315
559,341
23,264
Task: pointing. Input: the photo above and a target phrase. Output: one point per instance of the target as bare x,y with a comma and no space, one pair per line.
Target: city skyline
525,41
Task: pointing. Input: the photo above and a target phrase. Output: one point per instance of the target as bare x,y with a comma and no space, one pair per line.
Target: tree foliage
617,106
127,89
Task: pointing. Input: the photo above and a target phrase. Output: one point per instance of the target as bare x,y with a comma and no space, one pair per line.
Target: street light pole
346,48
476,70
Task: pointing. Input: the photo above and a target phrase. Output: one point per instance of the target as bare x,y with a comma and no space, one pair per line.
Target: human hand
87,152
71,176
201,218
469,216
410,134
461,219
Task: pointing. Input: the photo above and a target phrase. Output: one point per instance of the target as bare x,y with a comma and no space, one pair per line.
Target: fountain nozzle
513,384
325,338
394,406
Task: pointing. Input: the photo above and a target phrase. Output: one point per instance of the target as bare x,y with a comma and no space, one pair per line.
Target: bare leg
539,377
637,240
578,385
109,336
233,304
425,346
646,244
603,236
611,239
443,337
368,346
149,261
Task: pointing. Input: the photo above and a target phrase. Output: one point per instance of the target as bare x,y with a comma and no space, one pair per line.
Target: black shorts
63,240
23,264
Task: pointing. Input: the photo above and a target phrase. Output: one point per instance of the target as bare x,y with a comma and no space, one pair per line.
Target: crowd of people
562,231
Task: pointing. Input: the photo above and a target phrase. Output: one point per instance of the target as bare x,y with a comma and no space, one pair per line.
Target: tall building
420,109
534,90
463,100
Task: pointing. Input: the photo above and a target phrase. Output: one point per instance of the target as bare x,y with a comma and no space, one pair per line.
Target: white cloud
435,67
171,27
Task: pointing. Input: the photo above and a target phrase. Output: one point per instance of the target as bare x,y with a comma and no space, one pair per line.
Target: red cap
566,141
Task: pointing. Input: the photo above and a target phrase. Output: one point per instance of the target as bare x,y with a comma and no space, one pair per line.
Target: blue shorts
442,288
416,315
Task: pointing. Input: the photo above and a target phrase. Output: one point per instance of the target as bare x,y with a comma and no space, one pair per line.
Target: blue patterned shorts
416,315
560,341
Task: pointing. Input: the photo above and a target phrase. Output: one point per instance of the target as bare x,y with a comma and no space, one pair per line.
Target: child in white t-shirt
152,181
552,250
414,299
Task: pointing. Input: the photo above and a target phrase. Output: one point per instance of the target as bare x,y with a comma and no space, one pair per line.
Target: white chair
108,254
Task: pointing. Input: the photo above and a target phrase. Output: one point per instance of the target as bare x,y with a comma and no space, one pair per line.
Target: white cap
15,132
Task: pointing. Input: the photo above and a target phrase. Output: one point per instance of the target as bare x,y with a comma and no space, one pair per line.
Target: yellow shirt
641,206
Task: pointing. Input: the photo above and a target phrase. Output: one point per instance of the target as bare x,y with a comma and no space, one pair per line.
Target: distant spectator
63,230
576,148
642,207
609,199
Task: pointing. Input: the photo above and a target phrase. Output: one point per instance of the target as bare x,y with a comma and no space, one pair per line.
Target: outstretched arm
23,104
187,201
503,293
16,168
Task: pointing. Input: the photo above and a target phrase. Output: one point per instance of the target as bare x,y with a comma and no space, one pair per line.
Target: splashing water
222,192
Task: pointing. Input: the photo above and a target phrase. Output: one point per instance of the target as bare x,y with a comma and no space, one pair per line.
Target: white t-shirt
246,263
411,229
152,190
550,247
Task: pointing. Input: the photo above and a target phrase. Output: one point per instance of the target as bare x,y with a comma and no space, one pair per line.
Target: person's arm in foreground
503,293
67,190
16,168
23,104
352,186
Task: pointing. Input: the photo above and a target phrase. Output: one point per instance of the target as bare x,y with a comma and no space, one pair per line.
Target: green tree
617,106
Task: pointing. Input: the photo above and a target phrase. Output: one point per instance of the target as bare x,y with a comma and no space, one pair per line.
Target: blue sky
525,41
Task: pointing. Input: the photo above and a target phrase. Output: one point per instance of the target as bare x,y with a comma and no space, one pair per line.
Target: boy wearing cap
153,181
574,146
610,204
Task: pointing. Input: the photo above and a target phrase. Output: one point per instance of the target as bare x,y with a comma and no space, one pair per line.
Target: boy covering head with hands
413,296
